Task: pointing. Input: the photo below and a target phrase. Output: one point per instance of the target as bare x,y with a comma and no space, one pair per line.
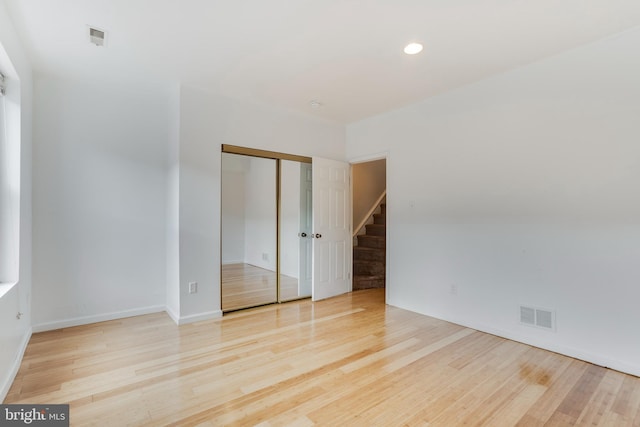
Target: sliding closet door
249,231
286,228
295,230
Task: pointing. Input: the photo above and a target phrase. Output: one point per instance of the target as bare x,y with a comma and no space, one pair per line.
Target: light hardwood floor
347,361
245,285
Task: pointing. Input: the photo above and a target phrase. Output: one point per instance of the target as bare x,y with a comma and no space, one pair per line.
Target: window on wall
9,182
4,190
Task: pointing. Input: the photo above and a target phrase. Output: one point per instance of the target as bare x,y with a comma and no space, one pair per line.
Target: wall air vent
527,315
97,36
541,318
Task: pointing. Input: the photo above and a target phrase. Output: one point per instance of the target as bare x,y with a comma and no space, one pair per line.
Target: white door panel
331,228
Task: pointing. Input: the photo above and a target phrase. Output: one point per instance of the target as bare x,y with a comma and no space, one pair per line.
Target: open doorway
369,180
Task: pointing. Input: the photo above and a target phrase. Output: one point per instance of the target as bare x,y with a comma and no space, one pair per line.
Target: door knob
318,235
303,234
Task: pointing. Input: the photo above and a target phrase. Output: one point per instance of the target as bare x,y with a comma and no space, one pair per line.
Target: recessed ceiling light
315,103
413,48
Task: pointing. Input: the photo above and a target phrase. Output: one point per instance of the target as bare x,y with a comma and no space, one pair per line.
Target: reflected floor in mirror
245,285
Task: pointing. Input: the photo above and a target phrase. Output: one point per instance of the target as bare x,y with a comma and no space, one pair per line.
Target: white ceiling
347,54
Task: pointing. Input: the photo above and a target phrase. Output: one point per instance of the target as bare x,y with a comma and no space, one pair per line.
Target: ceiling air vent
97,36
541,318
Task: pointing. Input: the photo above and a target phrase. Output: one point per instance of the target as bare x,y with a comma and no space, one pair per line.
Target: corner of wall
6,384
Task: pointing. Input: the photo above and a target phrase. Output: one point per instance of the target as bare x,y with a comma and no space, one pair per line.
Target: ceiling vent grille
541,318
97,36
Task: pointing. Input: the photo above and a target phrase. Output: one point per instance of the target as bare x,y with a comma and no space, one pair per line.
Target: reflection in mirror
295,230
248,231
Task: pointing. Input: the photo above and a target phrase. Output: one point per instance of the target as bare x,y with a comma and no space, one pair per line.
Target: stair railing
371,211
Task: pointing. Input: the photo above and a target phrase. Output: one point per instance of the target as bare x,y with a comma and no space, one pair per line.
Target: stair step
379,219
372,241
368,268
368,282
368,254
376,229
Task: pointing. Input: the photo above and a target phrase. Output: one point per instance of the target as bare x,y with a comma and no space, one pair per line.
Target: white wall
522,189
14,332
206,121
100,200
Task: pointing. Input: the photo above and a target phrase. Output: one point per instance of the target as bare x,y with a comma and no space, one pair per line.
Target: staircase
369,254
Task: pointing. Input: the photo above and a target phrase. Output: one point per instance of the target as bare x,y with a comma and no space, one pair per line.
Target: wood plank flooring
346,361
245,285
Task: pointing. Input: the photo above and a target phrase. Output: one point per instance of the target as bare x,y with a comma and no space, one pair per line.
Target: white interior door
331,228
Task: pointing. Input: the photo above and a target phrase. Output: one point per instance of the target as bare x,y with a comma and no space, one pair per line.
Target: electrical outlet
193,287
265,256
453,290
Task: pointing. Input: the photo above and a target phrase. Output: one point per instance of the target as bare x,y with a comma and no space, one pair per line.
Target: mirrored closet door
265,227
296,246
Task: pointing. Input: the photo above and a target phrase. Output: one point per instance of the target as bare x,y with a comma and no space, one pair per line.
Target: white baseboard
596,359
15,366
183,320
174,316
85,320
